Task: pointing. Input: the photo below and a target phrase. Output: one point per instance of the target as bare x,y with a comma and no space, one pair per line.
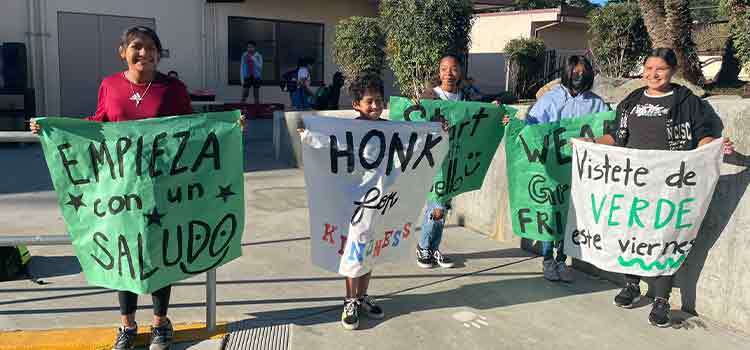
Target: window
281,43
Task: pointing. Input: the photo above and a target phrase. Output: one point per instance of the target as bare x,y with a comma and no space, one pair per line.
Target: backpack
13,261
320,101
289,81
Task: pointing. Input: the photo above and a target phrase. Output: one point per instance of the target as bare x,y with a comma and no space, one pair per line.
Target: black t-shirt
647,122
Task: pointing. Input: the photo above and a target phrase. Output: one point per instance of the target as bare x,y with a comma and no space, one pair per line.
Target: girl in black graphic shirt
661,116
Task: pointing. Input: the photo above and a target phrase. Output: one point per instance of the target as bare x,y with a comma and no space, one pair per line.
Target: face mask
577,82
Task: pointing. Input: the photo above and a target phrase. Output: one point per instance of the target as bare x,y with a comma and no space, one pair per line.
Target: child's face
140,54
370,106
450,72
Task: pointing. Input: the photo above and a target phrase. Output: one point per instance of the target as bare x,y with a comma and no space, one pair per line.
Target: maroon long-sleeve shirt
167,96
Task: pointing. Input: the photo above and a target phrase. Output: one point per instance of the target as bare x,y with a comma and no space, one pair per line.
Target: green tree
359,47
419,33
669,24
619,39
526,58
738,12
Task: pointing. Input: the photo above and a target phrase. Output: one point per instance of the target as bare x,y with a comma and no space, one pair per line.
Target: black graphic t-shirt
647,122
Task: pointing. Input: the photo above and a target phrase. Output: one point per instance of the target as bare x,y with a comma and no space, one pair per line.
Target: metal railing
46,240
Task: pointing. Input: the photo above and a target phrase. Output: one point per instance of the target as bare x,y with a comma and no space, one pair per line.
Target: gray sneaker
565,272
125,338
550,270
162,337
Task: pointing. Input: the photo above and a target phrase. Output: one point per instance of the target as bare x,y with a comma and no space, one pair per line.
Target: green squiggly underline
669,263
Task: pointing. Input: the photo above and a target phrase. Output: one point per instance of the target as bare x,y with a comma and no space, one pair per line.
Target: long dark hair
588,73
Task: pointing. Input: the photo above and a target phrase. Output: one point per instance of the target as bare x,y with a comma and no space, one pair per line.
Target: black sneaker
660,313
162,337
125,338
350,315
442,260
370,308
425,258
628,296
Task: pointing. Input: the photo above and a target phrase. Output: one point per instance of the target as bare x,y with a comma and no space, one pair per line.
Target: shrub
738,12
419,33
526,59
358,47
619,40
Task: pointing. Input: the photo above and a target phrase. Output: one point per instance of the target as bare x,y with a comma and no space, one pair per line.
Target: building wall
326,12
491,32
180,24
566,36
13,21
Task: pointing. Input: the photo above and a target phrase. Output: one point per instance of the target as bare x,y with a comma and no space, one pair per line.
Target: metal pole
6,241
211,300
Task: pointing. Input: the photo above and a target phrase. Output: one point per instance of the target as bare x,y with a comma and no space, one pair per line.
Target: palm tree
669,24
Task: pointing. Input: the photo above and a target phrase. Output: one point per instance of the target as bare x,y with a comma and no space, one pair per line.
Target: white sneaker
549,267
565,272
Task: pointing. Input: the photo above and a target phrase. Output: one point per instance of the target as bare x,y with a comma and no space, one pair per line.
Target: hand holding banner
366,182
149,202
638,211
475,132
538,164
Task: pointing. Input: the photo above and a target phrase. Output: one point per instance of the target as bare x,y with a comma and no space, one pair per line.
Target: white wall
13,21
178,23
326,12
490,33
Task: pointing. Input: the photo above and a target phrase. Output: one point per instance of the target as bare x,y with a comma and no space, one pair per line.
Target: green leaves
359,47
526,56
619,39
739,24
419,33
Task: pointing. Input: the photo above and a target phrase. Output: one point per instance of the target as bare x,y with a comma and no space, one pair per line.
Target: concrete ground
495,299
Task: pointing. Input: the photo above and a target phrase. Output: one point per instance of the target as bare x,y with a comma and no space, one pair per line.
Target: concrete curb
97,338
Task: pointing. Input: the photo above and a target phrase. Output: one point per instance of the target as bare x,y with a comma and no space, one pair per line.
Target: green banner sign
149,202
538,162
475,133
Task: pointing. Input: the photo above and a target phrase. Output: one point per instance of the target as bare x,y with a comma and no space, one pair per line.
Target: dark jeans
662,284
160,298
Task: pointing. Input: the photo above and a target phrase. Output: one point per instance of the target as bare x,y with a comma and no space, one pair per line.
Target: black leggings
662,284
129,301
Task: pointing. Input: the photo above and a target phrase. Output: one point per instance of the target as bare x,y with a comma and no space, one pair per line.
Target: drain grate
250,336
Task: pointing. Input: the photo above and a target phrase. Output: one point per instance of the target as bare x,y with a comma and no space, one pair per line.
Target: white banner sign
366,185
638,211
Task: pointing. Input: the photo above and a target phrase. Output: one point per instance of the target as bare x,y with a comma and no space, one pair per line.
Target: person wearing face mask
572,98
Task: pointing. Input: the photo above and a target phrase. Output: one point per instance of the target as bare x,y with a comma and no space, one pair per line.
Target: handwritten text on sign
365,187
475,131
637,211
538,164
148,202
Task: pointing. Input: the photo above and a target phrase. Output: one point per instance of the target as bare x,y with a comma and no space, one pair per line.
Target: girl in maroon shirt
140,92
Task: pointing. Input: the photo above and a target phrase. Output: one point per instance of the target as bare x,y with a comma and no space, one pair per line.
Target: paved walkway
495,299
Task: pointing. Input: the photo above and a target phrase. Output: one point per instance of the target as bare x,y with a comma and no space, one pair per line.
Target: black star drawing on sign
225,192
154,217
76,201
